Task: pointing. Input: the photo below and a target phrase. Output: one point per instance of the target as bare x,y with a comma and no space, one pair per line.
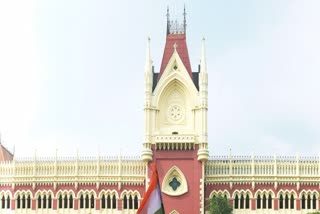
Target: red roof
5,155
182,49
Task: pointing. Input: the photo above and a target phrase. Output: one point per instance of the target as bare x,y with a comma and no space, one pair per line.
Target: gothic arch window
87,201
65,201
264,201
39,202
136,203
314,202
92,202
247,202
23,201
309,202
130,200
125,201
114,202
281,201
270,201
49,201
70,201
3,202
259,202
60,202
291,202
44,202
286,202
81,201
8,202
241,201
103,202
236,202
18,202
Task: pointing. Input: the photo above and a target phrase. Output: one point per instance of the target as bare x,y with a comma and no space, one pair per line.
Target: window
92,202
49,202
281,202
39,202
125,206
81,201
3,202
8,202
70,202
114,202
108,202
18,202
270,201
103,202
259,202
136,202
236,202
60,201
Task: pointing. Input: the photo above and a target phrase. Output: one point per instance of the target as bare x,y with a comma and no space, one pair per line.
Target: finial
184,19
148,64
175,46
203,64
168,21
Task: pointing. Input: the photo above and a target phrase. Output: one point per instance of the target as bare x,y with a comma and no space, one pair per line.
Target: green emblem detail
174,184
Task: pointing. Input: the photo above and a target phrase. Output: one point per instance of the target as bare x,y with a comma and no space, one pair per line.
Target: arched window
29,202
92,201
286,202
108,202
81,201
8,202
130,202
3,202
303,202
65,201
49,202
309,202
136,202
103,202
259,202
236,202
241,201
114,202
281,201
264,201
291,202
125,205
39,202
18,202
60,202
314,202
87,201
23,202
71,201
44,201
270,201
247,202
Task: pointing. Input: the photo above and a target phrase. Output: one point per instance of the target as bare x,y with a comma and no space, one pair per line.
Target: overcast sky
71,74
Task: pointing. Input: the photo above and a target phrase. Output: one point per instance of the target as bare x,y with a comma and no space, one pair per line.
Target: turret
203,152
148,81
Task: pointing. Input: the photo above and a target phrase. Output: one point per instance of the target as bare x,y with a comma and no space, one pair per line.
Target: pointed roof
176,34
5,154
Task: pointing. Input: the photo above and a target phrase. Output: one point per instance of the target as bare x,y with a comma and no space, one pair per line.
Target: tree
220,205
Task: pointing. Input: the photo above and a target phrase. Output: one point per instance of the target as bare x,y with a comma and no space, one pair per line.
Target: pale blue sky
71,74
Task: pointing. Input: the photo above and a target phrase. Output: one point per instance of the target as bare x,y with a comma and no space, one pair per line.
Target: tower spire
148,57
203,63
168,21
184,19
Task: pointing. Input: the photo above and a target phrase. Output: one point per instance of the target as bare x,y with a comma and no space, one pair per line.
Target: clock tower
175,133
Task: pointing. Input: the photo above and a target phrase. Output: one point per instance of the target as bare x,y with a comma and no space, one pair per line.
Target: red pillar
76,204
119,204
97,204
253,204
33,204
298,204
54,204
276,204
13,204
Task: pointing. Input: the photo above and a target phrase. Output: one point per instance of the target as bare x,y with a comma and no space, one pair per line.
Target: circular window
175,112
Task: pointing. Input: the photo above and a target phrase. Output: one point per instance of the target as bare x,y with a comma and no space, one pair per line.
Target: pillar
253,204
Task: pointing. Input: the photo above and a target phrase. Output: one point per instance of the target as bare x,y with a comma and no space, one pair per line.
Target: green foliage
315,212
220,205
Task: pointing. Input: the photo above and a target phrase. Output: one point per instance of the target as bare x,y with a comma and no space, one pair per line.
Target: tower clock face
175,113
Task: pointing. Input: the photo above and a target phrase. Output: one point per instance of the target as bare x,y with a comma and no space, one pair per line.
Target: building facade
175,138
